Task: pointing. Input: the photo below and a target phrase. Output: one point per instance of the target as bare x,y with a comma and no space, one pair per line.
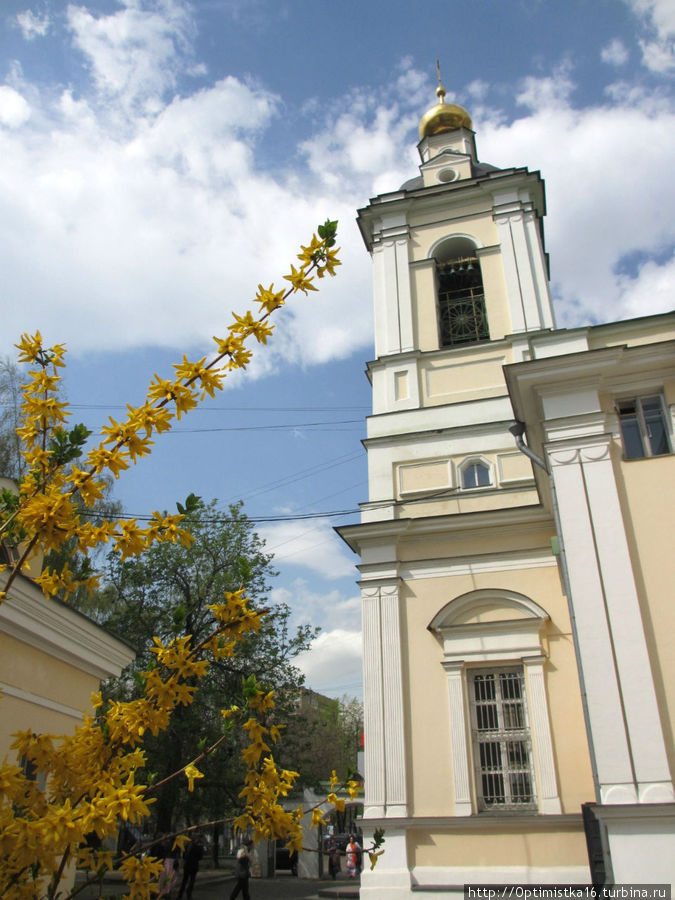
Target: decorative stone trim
517,639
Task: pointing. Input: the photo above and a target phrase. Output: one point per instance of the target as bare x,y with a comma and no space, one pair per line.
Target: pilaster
385,759
392,293
522,255
623,714
458,733
549,800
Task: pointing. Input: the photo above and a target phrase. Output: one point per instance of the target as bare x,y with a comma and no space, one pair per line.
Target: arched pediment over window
485,606
484,625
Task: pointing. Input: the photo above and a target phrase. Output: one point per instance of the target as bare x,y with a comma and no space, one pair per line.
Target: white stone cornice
499,521
478,564
62,632
488,821
595,449
412,423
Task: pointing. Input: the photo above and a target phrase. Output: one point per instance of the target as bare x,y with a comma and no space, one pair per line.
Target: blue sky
159,158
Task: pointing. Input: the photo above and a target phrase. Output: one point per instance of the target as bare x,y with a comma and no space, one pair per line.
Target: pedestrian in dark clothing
242,871
333,859
191,859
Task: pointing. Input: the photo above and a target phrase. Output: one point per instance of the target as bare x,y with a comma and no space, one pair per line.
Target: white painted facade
461,577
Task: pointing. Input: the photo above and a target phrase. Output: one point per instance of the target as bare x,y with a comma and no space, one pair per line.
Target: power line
319,426
295,517
231,408
303,473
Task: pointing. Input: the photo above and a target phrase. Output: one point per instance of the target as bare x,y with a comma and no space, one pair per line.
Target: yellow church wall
650,526
466,374
633,332
497,846
478,543
427,700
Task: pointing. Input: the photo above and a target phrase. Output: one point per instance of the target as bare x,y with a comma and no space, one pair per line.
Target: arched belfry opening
460,298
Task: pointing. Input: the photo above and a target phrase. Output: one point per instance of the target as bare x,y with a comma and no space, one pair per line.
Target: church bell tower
454,527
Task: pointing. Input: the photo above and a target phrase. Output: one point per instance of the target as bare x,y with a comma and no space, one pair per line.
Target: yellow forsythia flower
192,773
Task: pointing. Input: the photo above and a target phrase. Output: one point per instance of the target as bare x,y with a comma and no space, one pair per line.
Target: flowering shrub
92,779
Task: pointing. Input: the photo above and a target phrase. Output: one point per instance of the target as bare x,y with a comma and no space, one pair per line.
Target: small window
644,429
502,746
475,475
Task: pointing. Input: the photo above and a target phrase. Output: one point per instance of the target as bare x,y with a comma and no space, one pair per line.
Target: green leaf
328,232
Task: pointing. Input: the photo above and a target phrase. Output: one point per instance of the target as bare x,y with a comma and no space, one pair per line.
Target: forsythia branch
91,779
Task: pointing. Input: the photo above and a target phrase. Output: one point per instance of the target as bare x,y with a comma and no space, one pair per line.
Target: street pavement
216,884
282,887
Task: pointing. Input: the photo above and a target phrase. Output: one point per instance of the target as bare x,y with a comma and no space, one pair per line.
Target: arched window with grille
461,302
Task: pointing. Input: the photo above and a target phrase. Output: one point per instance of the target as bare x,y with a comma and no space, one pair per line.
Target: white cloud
658,21
131,216
32,24
330,610
652,289
312,544
133,53
14,110
333,665
658,56
550,92
606,194
615,53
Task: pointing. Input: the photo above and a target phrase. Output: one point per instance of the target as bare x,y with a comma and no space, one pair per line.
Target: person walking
242,872
353,853
169,874
333,859
191,859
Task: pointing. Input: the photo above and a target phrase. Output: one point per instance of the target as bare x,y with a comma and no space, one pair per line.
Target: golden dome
443,117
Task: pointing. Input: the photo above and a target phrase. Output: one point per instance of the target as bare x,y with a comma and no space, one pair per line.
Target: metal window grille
644,429
501,740
461,303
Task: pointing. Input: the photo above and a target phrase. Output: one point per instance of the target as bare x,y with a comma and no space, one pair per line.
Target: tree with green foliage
166,593
12,464
322,735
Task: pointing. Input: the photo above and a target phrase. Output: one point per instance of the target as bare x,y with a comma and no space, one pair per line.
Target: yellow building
498,576
52,658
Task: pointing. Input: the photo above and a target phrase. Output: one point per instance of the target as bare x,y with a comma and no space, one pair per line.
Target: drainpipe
518,430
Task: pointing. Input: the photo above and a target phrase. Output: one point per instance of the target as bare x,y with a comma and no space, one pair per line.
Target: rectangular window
644,427
502,747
